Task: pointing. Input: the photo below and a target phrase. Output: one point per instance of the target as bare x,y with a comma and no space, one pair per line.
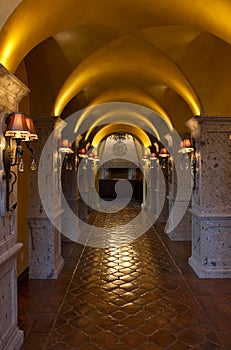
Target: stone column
145,170
211,201
70,190
183,231
83,183
45,257
163,192
92,178
11,92
153,185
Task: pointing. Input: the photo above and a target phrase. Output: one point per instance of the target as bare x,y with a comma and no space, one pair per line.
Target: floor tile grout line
68,287
187,284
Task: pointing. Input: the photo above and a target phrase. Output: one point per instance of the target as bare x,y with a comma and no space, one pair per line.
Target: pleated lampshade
30,125
17,127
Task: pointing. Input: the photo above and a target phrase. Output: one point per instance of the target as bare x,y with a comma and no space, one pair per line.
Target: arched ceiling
132,118
171,55
118,127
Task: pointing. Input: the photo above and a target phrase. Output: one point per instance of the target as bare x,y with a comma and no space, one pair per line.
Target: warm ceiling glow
208,15
132,95
135,120
95,70
115,128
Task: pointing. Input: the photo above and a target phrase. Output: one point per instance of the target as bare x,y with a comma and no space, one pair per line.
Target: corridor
142,295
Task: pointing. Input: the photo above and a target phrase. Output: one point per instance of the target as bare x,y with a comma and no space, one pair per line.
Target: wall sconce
66,147
83,153
97,158
153,156
91,156
18,129
163,156
187,148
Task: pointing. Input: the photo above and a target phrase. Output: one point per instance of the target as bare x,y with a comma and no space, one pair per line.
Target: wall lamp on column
163,156
66,148
18,129
187,149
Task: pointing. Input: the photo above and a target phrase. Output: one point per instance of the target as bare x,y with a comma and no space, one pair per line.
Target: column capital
12,90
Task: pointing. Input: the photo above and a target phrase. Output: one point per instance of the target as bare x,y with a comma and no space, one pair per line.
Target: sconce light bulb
33,165
21,166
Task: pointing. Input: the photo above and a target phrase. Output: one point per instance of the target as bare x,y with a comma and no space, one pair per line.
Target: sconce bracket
2,168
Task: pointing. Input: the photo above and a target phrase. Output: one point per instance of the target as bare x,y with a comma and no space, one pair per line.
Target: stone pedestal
183,231
11,338
211,202
83,185
92,195
163,193
45,257
46,261
146,183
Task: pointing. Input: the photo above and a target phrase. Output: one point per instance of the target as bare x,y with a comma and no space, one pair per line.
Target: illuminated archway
132,95
131,117
115,128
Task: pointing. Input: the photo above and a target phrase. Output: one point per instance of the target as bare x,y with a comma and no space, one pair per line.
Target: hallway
141,295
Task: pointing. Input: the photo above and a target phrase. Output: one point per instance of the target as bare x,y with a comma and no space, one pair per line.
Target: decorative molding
12,90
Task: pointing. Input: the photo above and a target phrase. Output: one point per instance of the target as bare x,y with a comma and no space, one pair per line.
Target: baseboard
23,277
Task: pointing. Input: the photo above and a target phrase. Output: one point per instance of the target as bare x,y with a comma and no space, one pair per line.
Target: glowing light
115,128
132,114
132,95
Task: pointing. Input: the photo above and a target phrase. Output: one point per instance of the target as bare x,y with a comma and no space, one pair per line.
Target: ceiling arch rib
16,41
150,65
129,94
124,117
115,128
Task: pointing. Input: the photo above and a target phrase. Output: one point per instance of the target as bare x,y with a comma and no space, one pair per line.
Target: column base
180,235
211,255
47,273
183,231
202,272
15,341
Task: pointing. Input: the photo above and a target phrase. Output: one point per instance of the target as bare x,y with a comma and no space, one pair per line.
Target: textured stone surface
183,231
11,92
45,255
211,202
45,259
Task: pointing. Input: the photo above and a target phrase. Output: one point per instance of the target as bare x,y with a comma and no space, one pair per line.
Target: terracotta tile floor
142,295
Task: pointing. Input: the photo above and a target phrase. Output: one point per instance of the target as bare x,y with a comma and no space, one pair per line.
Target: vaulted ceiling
173,56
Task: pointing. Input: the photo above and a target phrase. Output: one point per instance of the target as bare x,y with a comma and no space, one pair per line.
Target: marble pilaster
11,92
211,201
45,257
154,199
83,184
183,231
146,173
162,190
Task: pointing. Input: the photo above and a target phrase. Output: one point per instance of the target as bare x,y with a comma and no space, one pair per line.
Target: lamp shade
83,153
17,127
66,146
163,152
30,125
153,156
145,157
188,145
